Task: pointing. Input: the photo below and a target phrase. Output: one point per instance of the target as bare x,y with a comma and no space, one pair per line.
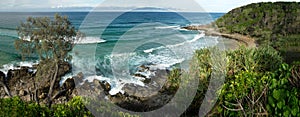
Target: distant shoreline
211,31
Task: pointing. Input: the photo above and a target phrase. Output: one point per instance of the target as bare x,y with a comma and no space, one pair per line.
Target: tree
49,39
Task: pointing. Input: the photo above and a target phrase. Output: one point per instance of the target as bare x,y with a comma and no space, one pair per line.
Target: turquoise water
93,24
119,43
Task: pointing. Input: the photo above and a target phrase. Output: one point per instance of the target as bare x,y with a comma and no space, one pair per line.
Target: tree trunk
6,89
52,84
36,97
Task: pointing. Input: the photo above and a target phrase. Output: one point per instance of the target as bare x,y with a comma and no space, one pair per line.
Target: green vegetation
51,40
257,83
275,24
252,87
15,107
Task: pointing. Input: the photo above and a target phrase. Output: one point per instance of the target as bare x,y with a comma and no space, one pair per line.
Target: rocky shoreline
21,83
213,31
155,93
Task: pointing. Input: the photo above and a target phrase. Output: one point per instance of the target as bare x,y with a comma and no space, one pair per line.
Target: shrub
253,76
15,107
261,59
243,95
282,96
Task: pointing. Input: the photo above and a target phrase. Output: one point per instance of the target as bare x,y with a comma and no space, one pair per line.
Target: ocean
116,44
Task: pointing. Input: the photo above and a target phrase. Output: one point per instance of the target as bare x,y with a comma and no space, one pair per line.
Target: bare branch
6,89
231,109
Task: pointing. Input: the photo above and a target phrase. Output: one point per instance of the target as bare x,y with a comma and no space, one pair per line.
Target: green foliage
75,107
275,24
174,80
15,107
103,108
283,99
243,94
256,80
49,39
203,64
259,59
262,19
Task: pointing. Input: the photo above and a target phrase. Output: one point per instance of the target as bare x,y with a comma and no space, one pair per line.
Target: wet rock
145,98
78,78
118,98
106,86
143,68
69,84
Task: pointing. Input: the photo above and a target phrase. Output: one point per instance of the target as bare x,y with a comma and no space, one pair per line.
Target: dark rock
64,68
143,78
145,98
17,75
69,84
118,98
140,75
106,86
9,74
2,77
78,78
143,68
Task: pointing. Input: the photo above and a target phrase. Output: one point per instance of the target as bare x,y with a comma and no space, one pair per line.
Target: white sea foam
168,27
152,49
17,65
116,85
196,37
147,73
159,61
64,78
90,40
84,40
166,65
117,82
25,39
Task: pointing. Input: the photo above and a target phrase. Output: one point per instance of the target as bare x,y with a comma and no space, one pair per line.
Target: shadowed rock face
21,83
153,95
2,77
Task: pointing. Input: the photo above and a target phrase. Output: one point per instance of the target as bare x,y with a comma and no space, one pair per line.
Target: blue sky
177,5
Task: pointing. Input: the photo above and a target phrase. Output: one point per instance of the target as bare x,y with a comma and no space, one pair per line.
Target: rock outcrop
21,82
153,95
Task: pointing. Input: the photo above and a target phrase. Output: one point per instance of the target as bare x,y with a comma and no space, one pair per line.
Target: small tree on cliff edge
51,40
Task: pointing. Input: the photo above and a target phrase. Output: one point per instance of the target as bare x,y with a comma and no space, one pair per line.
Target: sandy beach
213,31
